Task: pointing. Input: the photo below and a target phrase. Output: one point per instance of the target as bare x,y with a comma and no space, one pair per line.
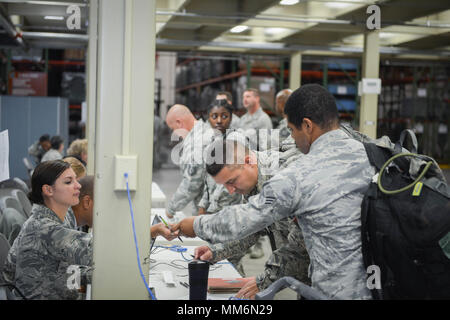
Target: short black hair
45,173
314,102
227,94
44,137
232,153
56,142
220,103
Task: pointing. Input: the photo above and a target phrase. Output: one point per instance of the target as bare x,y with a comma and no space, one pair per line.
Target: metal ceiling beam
391,11
55,36
290,48
247,8
7,25
241,18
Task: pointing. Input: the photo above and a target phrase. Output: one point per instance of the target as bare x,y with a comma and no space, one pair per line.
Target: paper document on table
226,284
4,155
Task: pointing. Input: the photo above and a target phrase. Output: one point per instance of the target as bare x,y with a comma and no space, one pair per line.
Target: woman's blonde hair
76,165
77,147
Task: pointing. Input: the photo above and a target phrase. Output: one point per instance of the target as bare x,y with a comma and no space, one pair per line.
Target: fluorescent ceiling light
54,18
386,34
238,29
288,2
273,31
338,5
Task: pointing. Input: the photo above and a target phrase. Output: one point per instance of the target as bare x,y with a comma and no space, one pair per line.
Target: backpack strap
377,155
403,135
272,239
429,163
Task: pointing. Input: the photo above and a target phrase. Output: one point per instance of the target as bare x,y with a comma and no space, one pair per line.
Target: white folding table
164,259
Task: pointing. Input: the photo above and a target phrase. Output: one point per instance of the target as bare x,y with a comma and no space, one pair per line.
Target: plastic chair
15,183
11,222
28,166
304,291
6,292
6,192
4,249
11,202
24,201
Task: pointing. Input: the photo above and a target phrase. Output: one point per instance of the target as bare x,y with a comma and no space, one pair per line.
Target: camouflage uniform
290,257
283,132
69,220
324,190
216,196
255,126
38,261
235,122
192,167
52,154
36,151
257,120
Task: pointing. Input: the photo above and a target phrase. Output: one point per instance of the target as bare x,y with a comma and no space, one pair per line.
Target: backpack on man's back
406,231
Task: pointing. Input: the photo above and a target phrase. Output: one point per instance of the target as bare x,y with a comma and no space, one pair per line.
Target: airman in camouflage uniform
289,257
256,124
283,132
280,101
216,196
324,190
38,262
192,167
257,120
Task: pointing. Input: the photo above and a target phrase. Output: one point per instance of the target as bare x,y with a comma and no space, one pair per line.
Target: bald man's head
180,117
281,99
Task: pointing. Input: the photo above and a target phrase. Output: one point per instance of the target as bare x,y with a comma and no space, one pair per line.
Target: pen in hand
168,226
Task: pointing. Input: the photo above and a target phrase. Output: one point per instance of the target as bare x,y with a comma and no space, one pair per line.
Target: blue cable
185,257
135,240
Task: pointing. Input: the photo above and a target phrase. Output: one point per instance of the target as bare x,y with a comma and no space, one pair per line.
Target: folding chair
304,291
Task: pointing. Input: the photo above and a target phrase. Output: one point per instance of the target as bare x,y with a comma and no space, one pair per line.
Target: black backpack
406,227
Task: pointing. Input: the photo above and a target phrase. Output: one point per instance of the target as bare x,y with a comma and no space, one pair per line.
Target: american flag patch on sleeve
269,200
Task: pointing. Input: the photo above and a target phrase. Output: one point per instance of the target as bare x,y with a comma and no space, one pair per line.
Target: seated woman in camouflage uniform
38,260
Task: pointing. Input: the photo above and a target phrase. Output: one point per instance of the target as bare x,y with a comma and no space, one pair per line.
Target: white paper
422,92
371,86
264,87
342,90
4,155
83,112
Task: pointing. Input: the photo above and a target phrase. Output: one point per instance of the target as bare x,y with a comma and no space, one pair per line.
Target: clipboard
156,220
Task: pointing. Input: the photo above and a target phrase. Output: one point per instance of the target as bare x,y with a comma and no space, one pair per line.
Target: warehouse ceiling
408,27
42,24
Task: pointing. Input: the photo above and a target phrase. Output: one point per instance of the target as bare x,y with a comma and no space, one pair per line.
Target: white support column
370,69
124,126
91,84
295,71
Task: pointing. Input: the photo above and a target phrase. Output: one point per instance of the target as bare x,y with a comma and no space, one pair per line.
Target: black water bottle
198,279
